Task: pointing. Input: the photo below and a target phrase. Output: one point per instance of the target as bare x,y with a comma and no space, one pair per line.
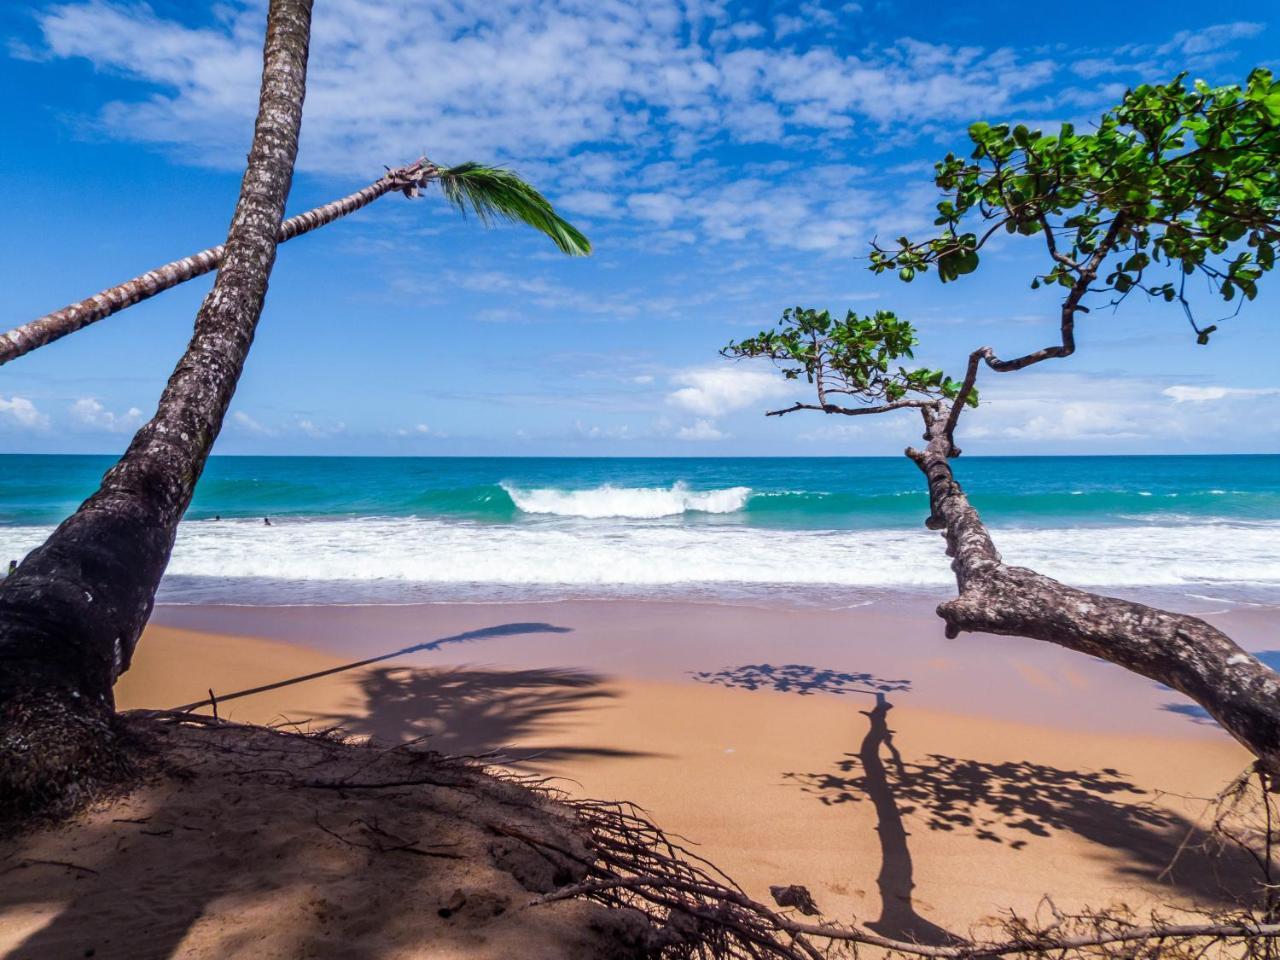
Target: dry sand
913,783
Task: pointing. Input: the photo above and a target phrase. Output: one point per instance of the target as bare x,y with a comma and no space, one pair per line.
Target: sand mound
250,842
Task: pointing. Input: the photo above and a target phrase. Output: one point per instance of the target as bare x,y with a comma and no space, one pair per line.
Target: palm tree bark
1180,651
71,614
54,326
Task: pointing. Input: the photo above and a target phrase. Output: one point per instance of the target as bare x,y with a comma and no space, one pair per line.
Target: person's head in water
267,521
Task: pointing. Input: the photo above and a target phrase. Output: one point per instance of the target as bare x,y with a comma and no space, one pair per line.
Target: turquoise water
408,528
795,493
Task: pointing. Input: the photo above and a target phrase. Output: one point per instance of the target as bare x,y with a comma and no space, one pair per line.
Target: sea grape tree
850,358
1175,189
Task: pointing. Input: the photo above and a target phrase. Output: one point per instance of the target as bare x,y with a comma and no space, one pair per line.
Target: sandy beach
856,752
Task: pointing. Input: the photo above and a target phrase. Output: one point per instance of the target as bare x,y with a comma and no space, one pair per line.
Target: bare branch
850,411
1070,305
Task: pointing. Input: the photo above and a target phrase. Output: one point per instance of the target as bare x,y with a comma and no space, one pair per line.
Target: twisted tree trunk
1180,651
54,326
72,612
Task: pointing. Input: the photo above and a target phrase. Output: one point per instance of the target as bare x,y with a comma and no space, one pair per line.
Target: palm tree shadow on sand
457,711
477,712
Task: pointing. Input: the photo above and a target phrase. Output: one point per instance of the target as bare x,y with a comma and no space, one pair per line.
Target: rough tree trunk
1183,652
54,326
72,612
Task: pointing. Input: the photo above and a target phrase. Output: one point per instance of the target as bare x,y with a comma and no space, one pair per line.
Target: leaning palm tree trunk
488,191
72,612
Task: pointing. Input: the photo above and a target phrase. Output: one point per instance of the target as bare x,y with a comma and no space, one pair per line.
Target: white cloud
597,432
1081,420
23,412
1210,39
1181,393
810,15
1115,414
317,431
700,430
597,92
91,413
593,203
419,430
832,431
250,425
715,391
1187,49
659,208
566,74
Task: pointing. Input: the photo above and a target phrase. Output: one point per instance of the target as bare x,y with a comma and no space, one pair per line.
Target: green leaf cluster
1177,180
856,356
495,193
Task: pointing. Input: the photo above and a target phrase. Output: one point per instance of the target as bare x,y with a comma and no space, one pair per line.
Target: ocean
1194,531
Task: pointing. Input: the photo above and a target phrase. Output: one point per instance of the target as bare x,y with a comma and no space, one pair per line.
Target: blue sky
727,159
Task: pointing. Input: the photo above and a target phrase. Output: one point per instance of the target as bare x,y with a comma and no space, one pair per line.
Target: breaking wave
637,503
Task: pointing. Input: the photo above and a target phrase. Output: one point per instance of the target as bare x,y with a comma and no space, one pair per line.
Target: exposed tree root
659,898
702,913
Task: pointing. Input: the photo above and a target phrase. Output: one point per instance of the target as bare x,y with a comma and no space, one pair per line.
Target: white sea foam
638,503
708,557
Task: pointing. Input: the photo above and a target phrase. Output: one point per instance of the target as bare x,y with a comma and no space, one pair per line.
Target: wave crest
639,503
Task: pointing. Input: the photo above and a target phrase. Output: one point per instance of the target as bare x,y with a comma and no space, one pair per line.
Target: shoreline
672,640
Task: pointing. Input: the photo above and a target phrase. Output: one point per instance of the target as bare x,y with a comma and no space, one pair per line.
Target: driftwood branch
1180,651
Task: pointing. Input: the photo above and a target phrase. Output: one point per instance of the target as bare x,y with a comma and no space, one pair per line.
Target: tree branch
850,411
1070,305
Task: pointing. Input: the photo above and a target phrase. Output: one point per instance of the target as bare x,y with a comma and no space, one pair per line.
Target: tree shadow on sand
898,918
476,712
1011,803
800,678
1016,802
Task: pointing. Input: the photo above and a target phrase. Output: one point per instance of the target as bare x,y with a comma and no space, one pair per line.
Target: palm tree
491,193
72,612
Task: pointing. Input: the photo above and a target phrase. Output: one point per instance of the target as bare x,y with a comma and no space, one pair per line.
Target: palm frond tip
492,193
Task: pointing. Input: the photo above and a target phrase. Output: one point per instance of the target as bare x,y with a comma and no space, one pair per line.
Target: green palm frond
493,193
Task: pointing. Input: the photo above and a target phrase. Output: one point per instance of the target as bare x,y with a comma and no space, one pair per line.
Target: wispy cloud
1181,393
700,430
597,91
89,412
248,424
567,75
717,390
22,412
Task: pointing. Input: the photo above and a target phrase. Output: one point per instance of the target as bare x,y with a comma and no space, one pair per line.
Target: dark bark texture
71,614
54,326
1180,651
